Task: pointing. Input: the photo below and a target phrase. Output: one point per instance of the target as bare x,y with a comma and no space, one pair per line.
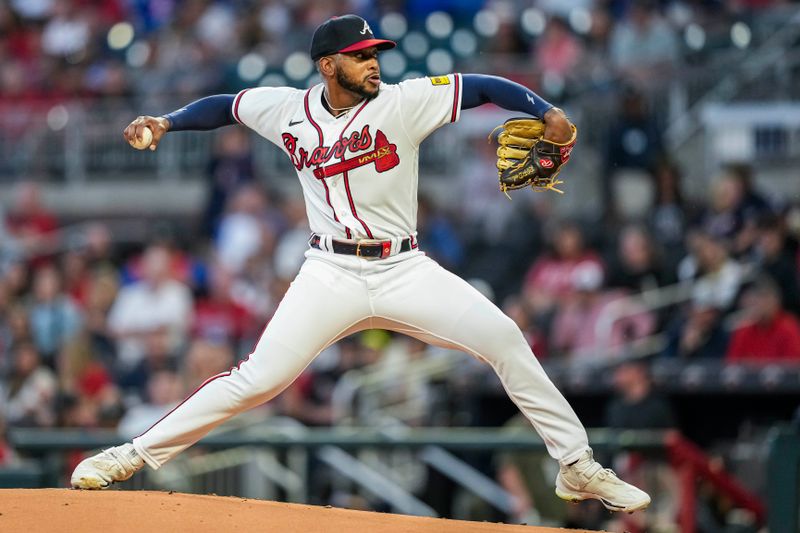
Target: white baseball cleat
100,471
588,479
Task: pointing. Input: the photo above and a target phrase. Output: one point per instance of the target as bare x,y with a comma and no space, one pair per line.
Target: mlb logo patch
440,80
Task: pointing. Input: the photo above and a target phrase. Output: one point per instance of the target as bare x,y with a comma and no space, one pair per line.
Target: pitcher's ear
326,66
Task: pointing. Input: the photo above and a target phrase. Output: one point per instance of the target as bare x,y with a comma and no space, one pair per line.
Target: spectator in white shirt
157,303
28,400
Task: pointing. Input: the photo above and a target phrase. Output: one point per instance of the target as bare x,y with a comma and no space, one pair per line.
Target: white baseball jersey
359,170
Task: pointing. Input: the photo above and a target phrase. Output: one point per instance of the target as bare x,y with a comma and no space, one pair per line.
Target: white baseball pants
334,296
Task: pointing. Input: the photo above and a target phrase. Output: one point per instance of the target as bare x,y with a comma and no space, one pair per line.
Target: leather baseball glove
525,158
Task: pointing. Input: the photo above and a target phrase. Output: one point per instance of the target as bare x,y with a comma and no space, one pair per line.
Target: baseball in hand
147,138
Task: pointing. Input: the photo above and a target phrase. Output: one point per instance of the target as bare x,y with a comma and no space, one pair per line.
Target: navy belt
374,248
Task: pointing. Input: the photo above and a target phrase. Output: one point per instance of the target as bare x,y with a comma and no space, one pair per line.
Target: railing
685,457
783,492
692,463
768,55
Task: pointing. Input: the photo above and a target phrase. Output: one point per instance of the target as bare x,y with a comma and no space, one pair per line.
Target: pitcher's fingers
128,132
139,129
155,141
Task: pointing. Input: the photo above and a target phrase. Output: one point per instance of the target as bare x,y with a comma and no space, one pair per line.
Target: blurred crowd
96,322
54,50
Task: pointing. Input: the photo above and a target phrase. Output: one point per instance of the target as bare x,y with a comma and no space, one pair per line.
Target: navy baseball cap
347,33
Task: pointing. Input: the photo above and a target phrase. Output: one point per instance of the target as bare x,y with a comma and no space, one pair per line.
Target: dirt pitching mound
63,510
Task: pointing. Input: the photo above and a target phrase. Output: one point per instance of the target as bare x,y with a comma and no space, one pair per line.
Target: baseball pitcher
354,141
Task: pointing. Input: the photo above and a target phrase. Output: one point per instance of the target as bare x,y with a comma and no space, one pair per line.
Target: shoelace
120,458
605,472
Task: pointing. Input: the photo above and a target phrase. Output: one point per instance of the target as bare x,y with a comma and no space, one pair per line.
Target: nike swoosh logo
295,122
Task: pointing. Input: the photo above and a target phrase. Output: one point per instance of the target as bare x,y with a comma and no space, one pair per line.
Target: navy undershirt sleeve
207,113
479,89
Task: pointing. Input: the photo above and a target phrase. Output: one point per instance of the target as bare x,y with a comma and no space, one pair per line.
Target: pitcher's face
359,72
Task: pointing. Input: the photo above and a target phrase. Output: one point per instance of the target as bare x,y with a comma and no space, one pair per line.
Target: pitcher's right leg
322,302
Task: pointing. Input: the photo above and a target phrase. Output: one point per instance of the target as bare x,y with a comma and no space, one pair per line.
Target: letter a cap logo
348,33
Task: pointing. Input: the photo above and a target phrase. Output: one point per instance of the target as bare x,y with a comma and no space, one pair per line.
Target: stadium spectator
288,253
308,399
96,403
754,204
75,277
717,277
158,355
67,32
243,231
699,334
30,390
255,290
181,265
556,55
436,230
775,259
644,48
84,364
102,292
217,317
164,391
231,167
669,215
636,266
97,247
637,405
580,331
769,333
634,139
633,145
10,249
156,304
735,209
184,64
595,65
31,223
17,322
53,315
204,359
516,309
551,275
17,280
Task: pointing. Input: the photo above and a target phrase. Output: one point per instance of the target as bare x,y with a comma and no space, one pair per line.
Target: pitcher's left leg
436,303
432,300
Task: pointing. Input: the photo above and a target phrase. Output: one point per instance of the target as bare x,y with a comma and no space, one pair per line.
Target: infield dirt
116,511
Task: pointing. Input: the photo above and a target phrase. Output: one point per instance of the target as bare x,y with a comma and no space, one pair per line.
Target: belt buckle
386,248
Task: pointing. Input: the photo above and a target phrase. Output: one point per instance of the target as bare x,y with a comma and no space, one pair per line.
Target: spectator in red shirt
218,318
578,330
31,223
771,333
550,277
